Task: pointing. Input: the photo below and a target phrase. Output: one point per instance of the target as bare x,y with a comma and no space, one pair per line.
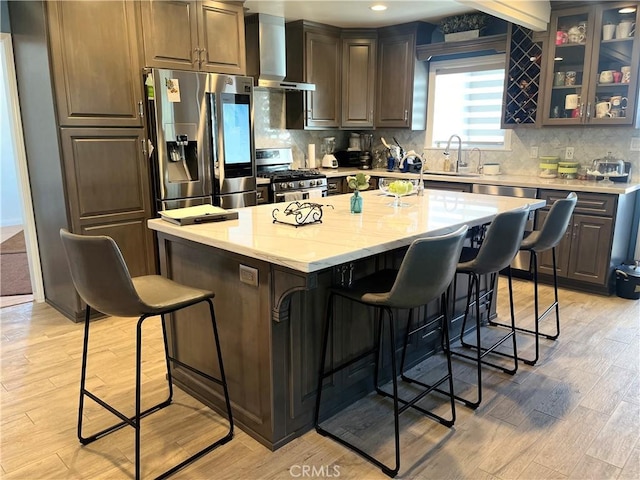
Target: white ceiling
356,13
532,14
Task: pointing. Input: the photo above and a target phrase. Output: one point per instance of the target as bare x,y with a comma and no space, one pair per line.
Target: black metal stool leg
223,377
223,382
83,373
538,317
555,295
478,342
138,393
394,378
167,357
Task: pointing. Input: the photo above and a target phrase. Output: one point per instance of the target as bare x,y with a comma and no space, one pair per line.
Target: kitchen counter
271,282
343,237
507,180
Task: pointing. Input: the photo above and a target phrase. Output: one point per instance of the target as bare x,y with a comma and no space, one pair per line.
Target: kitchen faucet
480,167
447,154
412,153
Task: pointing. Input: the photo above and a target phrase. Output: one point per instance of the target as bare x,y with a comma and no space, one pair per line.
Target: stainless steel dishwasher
521,265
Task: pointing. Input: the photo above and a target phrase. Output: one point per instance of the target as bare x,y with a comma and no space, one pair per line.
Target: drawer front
334,186
589,203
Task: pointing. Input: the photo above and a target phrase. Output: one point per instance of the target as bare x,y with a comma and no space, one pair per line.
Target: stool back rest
501,242
100,274
427,269
556,223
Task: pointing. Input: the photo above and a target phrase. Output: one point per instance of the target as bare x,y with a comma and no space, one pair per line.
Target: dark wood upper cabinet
359,57
395,90
91,88
221,34
194,35
314,56
401,83
583,49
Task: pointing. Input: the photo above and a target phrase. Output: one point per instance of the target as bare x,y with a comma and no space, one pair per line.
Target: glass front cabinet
592,65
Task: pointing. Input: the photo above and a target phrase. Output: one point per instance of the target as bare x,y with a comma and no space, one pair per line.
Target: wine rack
523,78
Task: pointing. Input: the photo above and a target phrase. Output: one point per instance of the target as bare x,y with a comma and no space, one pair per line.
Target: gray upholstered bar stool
496,252
101,277
547,238
426,271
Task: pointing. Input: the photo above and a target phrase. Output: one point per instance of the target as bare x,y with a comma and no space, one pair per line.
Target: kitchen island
271,283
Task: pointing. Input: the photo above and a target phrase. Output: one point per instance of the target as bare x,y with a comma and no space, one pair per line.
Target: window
465,98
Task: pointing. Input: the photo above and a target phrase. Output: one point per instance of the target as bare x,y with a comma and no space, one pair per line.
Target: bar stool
496,252
424,275
102,279
538,241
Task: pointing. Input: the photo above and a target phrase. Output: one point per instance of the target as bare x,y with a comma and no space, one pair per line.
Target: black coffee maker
365,158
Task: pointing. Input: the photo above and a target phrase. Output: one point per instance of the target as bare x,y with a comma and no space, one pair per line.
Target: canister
548,170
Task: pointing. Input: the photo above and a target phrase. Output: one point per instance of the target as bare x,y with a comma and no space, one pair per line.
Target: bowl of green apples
398,188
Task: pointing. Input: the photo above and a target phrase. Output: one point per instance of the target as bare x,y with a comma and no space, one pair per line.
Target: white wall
10,202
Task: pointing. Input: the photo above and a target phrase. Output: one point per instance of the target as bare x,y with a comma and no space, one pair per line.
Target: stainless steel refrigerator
201,139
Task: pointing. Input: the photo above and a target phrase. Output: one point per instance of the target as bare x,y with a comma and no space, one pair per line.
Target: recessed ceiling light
627,10
558,59
378,8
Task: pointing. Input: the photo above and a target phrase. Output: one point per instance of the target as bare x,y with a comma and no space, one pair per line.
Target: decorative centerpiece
398,188
357,183
297,214
463,27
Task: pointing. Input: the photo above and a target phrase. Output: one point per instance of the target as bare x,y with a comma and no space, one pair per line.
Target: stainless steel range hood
266,53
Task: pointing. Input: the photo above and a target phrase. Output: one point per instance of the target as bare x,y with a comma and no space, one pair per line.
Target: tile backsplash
589,142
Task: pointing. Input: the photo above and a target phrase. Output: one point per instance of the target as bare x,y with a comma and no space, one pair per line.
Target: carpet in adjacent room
14,267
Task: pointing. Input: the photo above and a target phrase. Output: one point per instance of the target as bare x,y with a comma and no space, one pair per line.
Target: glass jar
548,170
568,170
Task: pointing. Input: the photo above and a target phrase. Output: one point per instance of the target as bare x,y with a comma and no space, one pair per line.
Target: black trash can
628,281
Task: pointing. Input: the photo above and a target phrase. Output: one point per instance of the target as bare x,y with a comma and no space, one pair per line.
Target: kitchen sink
454,174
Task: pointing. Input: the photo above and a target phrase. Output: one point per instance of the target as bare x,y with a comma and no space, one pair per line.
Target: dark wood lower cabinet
596,240
271,336
583,254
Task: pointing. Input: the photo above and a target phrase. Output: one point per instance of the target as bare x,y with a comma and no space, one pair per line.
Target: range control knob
312,183
301,183
290,184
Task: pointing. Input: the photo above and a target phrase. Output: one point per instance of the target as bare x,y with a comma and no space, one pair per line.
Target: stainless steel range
285,184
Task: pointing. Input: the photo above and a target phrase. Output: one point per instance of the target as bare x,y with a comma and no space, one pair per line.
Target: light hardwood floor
574,415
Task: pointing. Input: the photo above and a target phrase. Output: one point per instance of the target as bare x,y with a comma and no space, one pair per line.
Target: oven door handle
280,197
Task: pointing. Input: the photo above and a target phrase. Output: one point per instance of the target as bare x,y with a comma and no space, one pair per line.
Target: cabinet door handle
195,56
202,56
143,142
582,110
589,110
406,115
140,109
575,230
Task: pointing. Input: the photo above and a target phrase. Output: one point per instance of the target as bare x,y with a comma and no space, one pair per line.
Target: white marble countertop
343,237
507,180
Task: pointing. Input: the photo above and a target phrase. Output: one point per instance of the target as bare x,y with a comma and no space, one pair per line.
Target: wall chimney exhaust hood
266,53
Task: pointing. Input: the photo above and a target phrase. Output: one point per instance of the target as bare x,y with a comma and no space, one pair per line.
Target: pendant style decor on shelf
463,27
